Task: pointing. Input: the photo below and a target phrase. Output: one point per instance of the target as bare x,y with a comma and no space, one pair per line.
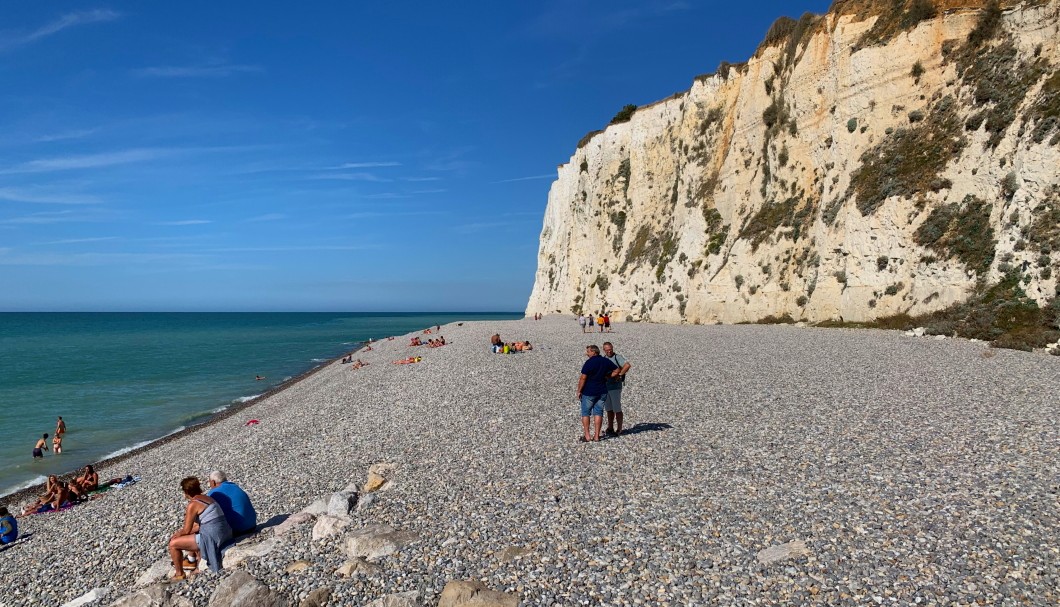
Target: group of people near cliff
600,390
211,520
602,320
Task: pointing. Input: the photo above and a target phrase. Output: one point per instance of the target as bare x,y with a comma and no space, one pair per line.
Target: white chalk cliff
864,163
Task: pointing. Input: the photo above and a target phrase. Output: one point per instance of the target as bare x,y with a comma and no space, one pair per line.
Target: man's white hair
218,477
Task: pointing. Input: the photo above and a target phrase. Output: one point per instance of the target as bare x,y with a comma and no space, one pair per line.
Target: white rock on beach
782,552
234,556
375,542
89,597
327,526
157,571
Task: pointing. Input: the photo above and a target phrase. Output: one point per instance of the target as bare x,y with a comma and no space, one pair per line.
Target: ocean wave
319,360
19,487
243,399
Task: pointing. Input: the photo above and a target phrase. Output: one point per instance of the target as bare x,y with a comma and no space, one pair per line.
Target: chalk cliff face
864,163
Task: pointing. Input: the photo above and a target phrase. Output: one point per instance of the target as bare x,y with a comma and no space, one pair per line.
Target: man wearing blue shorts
592,391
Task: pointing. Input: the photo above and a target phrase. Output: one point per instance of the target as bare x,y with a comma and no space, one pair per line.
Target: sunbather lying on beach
360,363
408,361
415,341
204,532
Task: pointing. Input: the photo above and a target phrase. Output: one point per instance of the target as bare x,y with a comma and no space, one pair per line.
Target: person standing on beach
592,391
581,321
60,427
613,405
40,447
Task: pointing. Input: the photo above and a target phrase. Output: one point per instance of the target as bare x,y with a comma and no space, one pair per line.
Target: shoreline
33,491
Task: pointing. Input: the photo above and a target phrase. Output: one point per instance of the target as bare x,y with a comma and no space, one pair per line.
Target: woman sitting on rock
204,532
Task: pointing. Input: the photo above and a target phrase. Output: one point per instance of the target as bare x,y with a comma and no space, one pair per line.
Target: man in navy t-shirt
234,502
592,390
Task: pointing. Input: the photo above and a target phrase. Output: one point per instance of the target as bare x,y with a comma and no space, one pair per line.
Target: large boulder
157,571
473,593
376,541
152,596
399,599
243,590
327,526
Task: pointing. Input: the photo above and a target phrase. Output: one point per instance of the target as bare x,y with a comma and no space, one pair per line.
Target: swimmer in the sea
40,447
258,377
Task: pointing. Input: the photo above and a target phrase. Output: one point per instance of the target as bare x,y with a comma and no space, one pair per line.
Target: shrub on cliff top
901,16
624,114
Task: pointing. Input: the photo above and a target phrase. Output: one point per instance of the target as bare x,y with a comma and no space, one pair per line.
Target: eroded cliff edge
863,164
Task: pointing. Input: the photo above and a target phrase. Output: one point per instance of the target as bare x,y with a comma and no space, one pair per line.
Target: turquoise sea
123,379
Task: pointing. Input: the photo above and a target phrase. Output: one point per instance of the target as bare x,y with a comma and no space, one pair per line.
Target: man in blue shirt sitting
235,503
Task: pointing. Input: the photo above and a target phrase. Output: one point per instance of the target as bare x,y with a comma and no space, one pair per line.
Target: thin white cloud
44,218
65,135
119,157
437,191
65,22
532,177
41,196
184,222
360,176
80,240
364,165
86,161
266,217
196,71
423,179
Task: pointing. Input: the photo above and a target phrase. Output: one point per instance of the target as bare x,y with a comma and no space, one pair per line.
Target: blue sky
321,156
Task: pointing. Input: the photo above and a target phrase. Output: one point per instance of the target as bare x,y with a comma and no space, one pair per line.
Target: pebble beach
765,465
